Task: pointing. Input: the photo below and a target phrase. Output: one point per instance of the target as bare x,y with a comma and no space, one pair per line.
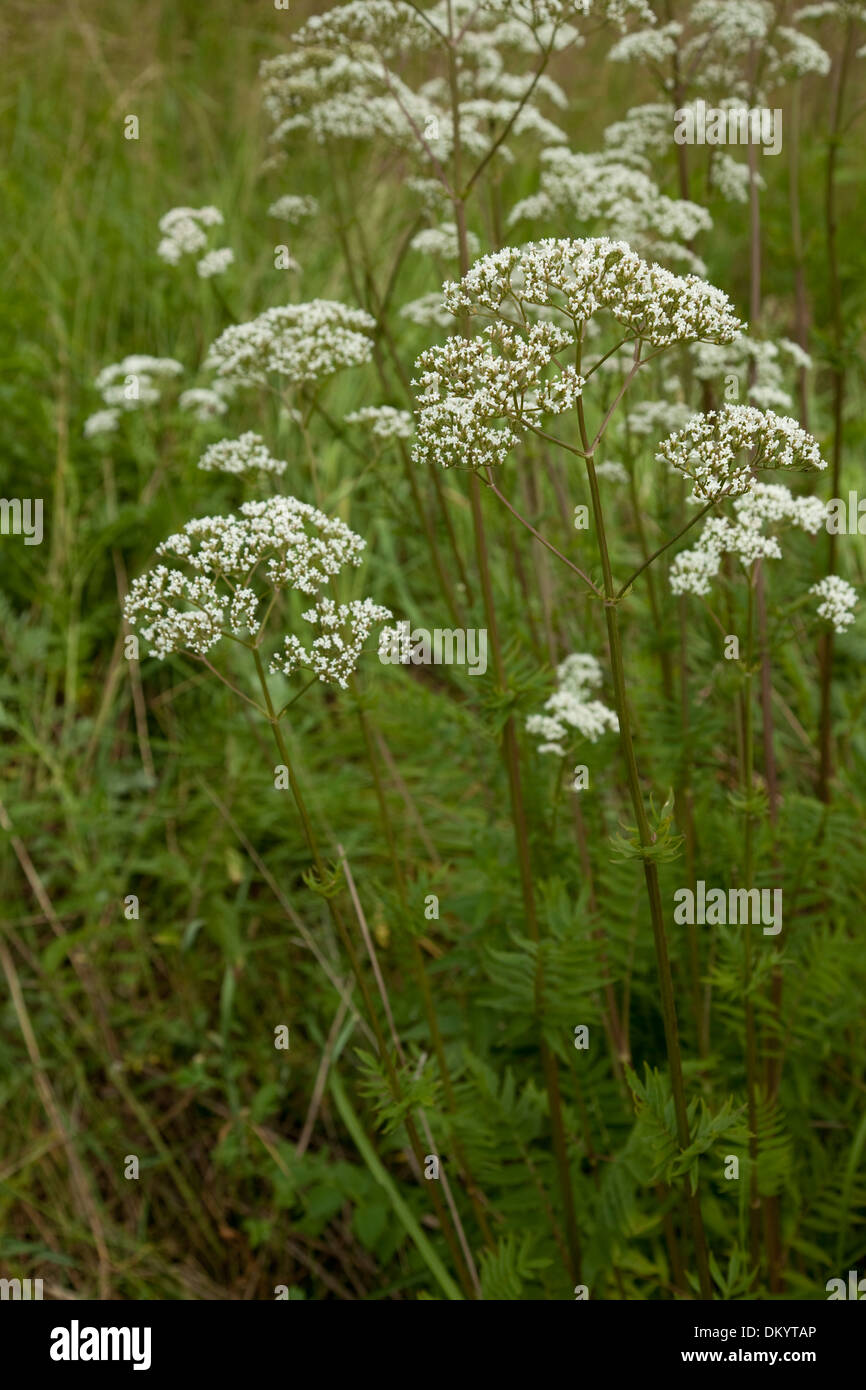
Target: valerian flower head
654,45
333,655
215,262
294,208
833,9
599,188
101,422
643,131
229,564
387,27
759,359
725,37
134,381
611,470
203,402
476,396
428,312
710,449
443,241
246,455
571,708
838,600
656,417
585,276
555,12
302,343
296,545
766,505
384,421
185,233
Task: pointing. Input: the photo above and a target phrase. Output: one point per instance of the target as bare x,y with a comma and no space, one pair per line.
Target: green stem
346,940
751,1039
420,971
666,987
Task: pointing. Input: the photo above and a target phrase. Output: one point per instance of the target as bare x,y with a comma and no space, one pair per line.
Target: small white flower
766,504
294,208
570,708
612,470
333,655
101,422
443,241
838,600
709,449
184,233
215,262
299,342
133,382
247,454
278,544
203,402
384,421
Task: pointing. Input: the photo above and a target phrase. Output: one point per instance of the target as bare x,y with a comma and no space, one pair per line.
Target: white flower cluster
614,472
132,382
731,178
657,417
838,600
127,385
215,262
245,455
339,85
759,359
428,312
581,277
476,396
443,241
474,401
597,188
205,402
725,37
384,421
833,9
709,449
331,95
569,708
152,604
299,546
389,27
767,504
643,131
184,233
283,542
299,342
554,12
333,655
101,422
647,45
294,208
